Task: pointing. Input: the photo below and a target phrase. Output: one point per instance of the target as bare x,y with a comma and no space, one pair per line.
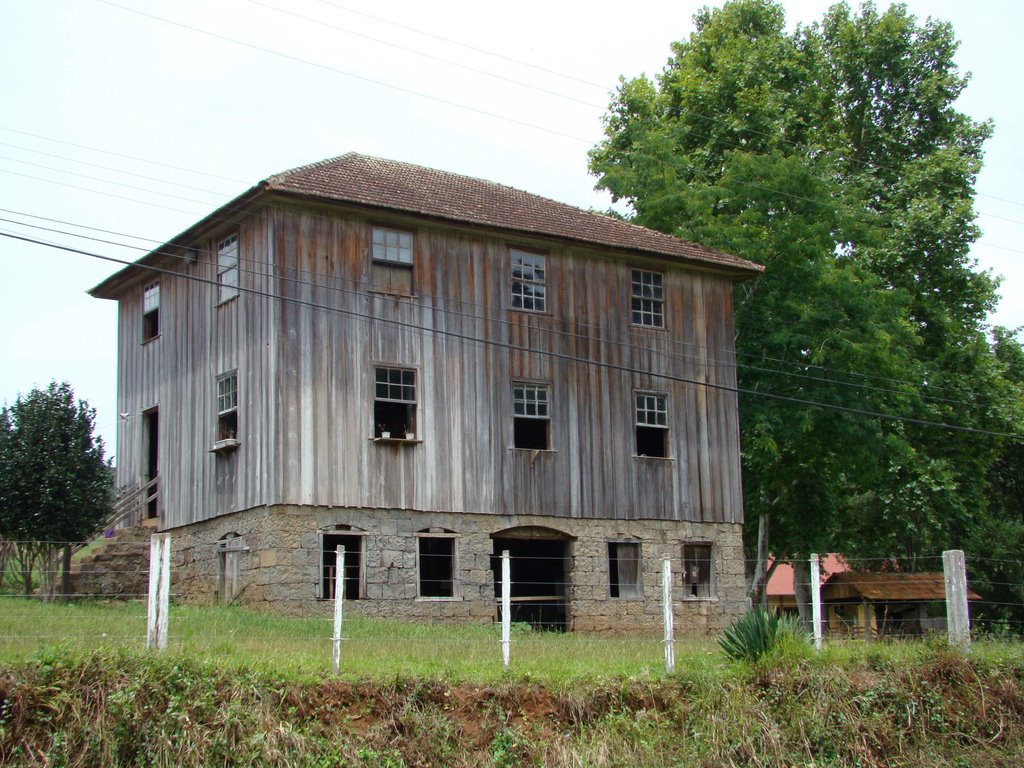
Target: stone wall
277,561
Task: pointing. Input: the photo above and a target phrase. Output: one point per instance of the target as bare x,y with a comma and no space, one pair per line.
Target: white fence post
816,600
159,590
666,602
506,607
339,602
958,619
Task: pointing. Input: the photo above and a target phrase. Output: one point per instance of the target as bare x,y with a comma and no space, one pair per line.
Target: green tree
55,486
833,155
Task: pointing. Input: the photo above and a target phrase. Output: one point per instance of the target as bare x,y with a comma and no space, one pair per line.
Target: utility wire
509,346
312,279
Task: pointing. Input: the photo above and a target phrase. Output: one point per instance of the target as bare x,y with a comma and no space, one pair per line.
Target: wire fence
105,599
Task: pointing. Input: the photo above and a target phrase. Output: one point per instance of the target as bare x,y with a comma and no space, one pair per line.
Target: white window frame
535,408
151,311
227,406
647,298
456,582
227,268
529,281
392,396
647,417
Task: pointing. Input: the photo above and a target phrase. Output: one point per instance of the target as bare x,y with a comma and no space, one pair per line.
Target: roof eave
111,287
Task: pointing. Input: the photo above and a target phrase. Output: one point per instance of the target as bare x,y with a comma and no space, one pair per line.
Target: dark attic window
436,561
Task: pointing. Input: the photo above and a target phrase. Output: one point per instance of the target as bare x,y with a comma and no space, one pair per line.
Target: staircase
116,565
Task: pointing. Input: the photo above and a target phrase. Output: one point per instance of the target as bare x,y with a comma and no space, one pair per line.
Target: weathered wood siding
306,379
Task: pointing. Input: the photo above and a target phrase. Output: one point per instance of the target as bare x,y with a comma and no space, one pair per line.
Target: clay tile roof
392,185
894,586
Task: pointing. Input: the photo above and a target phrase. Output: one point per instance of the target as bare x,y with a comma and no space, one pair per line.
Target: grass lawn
371,648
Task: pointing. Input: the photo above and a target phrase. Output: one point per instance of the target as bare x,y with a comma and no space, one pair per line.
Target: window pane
648,299
392,245
528,277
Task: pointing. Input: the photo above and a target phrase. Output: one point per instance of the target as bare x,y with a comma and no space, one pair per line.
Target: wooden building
429,368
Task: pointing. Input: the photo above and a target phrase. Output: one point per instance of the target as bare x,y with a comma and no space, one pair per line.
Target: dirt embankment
128,710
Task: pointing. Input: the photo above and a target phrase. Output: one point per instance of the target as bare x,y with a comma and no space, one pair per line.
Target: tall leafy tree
55,486
833,155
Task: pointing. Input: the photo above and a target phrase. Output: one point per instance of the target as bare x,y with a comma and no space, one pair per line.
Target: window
151,311
227,406
227,269
354,577
698,571
531,416
624,569
394,407
528,281
648,299
652,425
392,260
436,563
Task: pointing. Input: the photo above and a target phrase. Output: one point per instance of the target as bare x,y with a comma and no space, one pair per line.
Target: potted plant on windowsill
385,433
409,434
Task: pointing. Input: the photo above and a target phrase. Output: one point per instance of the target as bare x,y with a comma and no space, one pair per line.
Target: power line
521,348
310,280
119,154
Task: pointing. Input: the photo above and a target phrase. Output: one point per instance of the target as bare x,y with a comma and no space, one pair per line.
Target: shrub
756,633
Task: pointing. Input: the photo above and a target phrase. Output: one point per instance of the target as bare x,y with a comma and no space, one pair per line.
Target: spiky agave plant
752,635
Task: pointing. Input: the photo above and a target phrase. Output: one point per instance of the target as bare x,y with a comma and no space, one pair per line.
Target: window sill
637,599
641,327
144,342
421,599
225,446
397,440
532,450
385,293
692,599
653,458
226,301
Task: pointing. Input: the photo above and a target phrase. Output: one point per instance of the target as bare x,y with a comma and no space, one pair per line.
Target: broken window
529,281
624,569
648,298
227,269
227,406
151,311
698,571
353,578
436,561
392,263
531,416
652,424
394,406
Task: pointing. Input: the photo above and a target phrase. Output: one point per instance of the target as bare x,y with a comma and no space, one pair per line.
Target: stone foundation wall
278,565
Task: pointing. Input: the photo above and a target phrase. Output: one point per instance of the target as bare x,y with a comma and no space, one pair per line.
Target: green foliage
757,633
834,155
54,483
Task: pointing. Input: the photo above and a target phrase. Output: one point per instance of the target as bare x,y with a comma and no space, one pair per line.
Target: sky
136,118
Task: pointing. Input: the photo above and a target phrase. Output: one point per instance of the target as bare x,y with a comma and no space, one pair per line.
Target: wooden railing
131,507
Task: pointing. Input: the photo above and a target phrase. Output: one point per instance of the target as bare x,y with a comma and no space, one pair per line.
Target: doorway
539,568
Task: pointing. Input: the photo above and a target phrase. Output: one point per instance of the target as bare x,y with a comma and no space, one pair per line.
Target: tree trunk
65,574
758,592
802,590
